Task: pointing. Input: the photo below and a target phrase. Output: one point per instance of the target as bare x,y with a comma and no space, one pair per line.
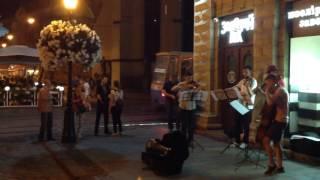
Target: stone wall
267,50
203,57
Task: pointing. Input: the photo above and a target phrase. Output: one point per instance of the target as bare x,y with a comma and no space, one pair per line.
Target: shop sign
310,15
236,26
160,70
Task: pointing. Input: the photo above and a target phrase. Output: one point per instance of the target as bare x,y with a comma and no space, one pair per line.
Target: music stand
199,96
248,153
234,93
223,95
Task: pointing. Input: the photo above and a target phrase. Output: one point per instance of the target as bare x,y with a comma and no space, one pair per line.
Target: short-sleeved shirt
86,87
115,95
187,100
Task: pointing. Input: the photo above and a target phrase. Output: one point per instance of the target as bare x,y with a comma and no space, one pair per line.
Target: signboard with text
236,27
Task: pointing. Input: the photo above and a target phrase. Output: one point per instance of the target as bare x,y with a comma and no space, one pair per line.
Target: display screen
305,64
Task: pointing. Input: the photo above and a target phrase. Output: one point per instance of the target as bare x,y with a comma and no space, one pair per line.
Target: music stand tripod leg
194,142
226,148
197,143
248,158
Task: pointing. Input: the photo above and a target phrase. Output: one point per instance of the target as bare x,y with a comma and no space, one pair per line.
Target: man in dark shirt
171,102
103,91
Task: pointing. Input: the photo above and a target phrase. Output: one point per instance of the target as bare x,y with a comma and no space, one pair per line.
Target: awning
3,30
19,54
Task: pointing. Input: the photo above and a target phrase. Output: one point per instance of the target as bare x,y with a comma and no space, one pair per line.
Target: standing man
187,90
45,108
276,96
171,102
103,91
246,87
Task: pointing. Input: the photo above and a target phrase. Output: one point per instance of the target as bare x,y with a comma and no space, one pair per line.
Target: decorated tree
61,44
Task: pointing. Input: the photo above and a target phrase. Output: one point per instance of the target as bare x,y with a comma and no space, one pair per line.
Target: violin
268,113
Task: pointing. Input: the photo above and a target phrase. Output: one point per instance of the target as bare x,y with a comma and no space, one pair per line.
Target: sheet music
238,106
204,96
218,94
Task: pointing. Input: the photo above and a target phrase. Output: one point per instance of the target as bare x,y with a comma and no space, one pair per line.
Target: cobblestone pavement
107,157
22,121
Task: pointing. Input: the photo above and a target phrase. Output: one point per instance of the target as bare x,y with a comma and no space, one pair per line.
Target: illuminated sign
311,14
160,70
236,26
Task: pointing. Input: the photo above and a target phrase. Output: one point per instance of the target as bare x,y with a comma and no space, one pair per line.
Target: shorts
275,131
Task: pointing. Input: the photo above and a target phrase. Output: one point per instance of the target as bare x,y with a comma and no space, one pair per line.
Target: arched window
231,69
248,60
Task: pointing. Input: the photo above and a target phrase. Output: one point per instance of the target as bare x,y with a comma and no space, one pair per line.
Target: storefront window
304,83
304,64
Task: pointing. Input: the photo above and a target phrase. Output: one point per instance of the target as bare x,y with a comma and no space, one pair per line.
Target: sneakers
243,145
234,145
274,170
270,170
279,170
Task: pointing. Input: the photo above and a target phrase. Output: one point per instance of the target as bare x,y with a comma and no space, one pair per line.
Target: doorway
232,60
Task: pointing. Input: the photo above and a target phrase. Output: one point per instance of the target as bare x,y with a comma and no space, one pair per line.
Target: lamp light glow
61,88
10,37
31,20
7,88
70,4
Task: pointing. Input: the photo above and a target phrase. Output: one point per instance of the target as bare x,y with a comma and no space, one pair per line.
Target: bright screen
305,64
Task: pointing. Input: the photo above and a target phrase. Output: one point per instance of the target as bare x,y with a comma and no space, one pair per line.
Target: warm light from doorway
70,4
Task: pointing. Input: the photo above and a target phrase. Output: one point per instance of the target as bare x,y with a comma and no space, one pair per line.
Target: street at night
159,89
107,157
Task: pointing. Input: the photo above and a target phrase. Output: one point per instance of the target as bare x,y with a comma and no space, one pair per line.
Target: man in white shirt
246,87
86,87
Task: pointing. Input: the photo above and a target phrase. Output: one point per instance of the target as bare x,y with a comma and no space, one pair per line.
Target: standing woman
116,106
45,108
79,107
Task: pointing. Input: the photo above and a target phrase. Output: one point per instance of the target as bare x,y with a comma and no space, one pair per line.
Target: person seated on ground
166,156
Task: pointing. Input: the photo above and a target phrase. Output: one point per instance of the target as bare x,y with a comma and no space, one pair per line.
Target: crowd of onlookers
16,82
87,93
20,90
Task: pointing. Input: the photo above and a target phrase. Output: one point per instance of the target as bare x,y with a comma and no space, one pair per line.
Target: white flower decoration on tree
62,41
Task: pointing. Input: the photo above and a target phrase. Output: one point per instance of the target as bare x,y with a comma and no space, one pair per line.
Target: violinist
277,105
246,87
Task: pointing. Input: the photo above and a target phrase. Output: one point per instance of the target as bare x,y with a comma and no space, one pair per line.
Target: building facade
133,31
230,34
